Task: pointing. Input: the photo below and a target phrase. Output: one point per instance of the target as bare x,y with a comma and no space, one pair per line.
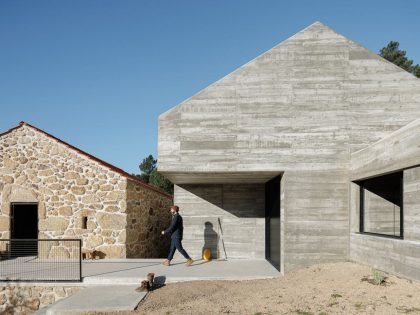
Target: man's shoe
166,263
189,262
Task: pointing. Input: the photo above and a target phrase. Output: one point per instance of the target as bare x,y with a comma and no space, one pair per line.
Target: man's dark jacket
176,229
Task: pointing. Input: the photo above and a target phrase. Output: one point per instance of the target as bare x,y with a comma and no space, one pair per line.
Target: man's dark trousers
177,245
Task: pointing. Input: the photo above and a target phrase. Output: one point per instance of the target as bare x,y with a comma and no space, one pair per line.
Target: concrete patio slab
133,271
98,298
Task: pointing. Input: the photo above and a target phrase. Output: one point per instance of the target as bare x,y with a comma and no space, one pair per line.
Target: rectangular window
381,205
84,222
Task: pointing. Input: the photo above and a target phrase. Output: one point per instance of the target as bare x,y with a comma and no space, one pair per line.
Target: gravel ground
341,288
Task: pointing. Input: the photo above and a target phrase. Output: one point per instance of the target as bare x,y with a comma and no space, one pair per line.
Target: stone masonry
124,215
15,299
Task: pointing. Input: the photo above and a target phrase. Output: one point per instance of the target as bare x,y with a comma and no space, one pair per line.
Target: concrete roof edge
396,132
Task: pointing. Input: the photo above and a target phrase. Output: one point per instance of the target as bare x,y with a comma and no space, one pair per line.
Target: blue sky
98,73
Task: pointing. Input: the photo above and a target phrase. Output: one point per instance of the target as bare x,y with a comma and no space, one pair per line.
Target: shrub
378,277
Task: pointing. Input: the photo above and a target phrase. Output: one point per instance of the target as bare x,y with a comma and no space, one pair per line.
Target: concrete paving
98,298
110,284
32,268
133,271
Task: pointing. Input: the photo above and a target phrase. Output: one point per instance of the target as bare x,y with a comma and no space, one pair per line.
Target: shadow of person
210,239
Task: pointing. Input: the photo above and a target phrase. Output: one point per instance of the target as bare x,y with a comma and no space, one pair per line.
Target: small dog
90,254
144,287
147,285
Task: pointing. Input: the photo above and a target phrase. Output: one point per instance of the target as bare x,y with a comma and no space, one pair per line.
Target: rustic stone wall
147,215
68,186
16,299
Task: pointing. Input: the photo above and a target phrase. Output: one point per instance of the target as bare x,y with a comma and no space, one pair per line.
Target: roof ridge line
89,156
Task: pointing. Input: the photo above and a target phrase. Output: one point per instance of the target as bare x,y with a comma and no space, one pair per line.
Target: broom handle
221,234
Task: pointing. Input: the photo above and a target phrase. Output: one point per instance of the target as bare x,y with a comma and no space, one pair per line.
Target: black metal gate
40,260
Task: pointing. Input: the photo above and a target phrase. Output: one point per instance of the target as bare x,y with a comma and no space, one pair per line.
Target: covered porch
234,214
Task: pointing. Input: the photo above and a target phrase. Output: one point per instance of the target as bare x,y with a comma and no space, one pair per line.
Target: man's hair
176,208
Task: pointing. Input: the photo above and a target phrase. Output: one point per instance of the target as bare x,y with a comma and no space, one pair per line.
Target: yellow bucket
207,254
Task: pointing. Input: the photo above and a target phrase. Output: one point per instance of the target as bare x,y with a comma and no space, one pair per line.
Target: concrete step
97,299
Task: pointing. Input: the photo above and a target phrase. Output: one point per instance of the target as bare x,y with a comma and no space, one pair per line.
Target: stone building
307,154
51,189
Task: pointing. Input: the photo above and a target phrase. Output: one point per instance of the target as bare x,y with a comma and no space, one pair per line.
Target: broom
221,235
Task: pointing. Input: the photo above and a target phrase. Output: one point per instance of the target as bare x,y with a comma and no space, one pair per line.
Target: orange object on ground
207,254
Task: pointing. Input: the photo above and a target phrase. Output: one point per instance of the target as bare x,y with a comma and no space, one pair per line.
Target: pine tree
394,54
150,175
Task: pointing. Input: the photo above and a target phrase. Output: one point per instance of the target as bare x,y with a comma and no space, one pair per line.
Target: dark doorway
24,229
272,222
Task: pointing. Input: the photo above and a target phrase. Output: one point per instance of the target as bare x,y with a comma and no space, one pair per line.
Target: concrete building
51,189
279,159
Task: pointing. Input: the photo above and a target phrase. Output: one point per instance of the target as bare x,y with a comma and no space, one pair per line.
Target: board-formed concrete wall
300,108
397,151
400,151
398,256
223,214
67,186
316,218
304,104
412,204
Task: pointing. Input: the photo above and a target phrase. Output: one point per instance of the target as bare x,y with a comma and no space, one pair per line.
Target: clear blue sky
98,73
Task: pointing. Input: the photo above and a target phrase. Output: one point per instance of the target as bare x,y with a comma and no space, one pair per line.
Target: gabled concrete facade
298,111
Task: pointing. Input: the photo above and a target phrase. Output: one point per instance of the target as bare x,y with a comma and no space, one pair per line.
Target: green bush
378,277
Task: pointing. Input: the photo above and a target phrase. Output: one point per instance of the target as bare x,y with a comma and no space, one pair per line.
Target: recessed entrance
272,222
24,229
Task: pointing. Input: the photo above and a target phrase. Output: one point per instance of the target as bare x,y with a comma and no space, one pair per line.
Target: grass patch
301,312
377,278
333,304
407,310
336,295
323,313
359,306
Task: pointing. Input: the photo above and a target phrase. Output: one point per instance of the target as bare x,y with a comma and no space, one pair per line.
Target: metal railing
40,260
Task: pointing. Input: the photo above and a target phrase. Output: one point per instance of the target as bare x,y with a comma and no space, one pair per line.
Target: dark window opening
84,222
381,205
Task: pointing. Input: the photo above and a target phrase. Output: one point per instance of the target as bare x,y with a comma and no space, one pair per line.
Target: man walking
176,230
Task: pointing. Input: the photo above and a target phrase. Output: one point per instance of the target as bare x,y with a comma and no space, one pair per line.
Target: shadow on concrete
159,282
121,269
211,239
240,200
199,262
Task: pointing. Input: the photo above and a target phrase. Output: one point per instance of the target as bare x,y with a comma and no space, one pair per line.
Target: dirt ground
341,288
